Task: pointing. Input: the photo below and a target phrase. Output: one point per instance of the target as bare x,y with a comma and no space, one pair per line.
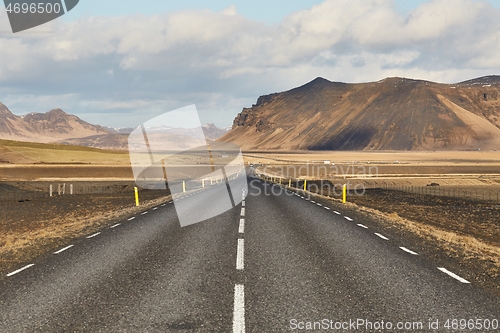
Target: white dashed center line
163,205
381,236
240,254
243,211
64,249
92,236
239,309
313,201
20,269
347,218
409,251
327,208
336,212
241,229
362,226
130,219
114,226
453,275
319,204
243,203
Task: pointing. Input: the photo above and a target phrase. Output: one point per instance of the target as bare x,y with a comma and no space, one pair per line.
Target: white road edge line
130,219
92,236
453,275
381,236
347,218
155,208
362,226
20,270
114,226
241,229
409,251
239,309
163,205
242,211
144,213
64,249
240,254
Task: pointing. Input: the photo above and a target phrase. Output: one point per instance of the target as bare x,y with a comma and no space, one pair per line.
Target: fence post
136,191
289,183
50,190
183,186
71,189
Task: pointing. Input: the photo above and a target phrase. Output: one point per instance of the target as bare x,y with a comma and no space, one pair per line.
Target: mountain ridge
63,128
46,127
391,114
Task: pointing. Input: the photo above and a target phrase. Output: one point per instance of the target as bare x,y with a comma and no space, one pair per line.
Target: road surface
278,262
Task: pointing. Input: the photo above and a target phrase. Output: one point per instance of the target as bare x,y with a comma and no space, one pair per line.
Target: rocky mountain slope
58,126
52,126
391,114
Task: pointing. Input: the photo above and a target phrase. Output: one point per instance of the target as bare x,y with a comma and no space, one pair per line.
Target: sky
120,63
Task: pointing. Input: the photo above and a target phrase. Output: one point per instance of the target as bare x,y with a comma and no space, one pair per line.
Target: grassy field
433,158
15,152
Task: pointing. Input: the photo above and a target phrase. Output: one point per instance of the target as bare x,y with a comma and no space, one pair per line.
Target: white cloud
230,11
191,56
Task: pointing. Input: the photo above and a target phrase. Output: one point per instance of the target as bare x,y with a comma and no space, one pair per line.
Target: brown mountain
391,114
52,126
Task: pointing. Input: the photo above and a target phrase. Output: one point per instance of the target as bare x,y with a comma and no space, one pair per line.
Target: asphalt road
277,262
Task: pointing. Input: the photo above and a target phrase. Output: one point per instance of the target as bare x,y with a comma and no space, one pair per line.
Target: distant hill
58,126
44,127
118,138
391,114
212,132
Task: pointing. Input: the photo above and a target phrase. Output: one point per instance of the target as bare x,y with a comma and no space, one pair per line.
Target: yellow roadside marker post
136,190
305,184
344,193
289,183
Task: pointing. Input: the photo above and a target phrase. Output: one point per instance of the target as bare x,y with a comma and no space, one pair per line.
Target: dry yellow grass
384,157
